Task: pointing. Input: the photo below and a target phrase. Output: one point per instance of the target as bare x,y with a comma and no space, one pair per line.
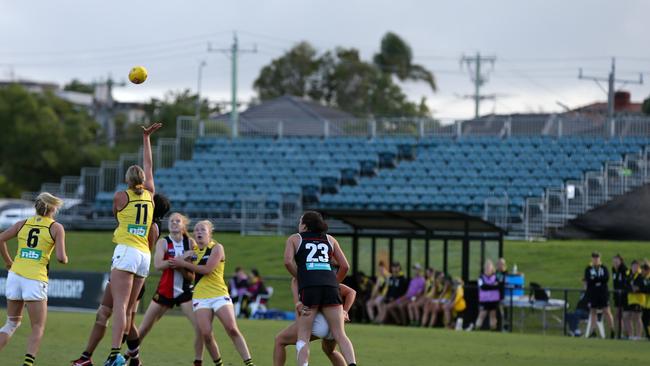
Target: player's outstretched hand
151,129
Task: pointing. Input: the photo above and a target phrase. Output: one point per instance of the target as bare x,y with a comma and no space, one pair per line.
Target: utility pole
198,90
104,107
478,77
611,81
233,52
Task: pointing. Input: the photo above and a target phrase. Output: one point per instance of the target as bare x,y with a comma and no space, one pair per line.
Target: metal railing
554,208
577,196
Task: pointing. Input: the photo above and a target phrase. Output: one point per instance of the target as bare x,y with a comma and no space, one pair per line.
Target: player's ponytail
47,204
314,222
134,178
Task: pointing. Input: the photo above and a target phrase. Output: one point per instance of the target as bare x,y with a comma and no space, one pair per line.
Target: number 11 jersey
313,259
35,245
134,221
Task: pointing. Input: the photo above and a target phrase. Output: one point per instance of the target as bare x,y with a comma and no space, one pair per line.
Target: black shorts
620,300
320,295
634,308
598,300
489,306
170,303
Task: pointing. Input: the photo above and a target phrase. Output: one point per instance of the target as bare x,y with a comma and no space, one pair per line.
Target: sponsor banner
82,290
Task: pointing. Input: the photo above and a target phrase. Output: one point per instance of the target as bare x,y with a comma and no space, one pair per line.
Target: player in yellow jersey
133,210
27,281
105,310
211,295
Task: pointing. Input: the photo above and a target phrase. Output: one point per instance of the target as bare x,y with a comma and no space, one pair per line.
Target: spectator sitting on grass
396,288
239,289
378,291
581,313
398,308
432,306
415,307
456,303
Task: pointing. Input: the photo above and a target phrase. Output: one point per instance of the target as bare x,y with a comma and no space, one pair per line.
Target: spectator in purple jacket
488,296
398,309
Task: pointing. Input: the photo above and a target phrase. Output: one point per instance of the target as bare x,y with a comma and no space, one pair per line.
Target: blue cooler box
516,284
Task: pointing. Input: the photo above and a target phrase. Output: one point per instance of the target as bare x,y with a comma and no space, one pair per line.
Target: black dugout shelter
418,225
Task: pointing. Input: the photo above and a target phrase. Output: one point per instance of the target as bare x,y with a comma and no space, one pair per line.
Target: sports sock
29,360
114,353
217,362
85,355
352,364
133,346
249,362
198,362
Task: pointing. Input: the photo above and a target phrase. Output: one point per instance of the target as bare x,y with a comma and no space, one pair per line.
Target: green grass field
170,343
552,263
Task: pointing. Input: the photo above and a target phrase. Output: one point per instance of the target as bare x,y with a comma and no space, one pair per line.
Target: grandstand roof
365,221
423,225
300,116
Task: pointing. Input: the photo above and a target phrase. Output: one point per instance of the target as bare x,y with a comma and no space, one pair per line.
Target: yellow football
138,75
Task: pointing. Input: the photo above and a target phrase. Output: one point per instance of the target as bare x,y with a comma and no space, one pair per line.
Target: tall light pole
198,90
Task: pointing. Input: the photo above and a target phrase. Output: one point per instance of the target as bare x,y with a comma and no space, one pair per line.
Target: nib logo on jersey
318,267
139,230
27,253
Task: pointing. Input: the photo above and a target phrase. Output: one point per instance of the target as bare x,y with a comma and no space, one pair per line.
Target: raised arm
147,159
344,266
6,235
289,256
58,234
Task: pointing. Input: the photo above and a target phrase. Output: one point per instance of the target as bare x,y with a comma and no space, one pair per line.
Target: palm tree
396,58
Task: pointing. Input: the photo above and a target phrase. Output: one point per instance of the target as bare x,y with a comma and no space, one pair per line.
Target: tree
340,78
646,106
291,74
44,138
396,58
78,86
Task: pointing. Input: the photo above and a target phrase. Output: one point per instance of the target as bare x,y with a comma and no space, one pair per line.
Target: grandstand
526,173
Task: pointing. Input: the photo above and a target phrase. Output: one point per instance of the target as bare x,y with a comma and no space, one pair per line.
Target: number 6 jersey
134,221
35,245
313,261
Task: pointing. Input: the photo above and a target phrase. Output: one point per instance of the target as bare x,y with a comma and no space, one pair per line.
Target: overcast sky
539,45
